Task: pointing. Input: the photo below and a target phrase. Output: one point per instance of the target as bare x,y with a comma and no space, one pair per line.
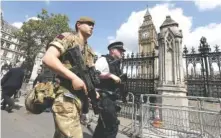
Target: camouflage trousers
66,114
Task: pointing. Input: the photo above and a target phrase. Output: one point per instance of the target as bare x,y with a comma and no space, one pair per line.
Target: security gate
140,69
207,80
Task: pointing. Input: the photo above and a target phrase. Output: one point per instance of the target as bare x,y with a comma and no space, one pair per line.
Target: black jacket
114,67
13,78
39,79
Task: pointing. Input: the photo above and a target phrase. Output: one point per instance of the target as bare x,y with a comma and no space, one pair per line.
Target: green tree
35,35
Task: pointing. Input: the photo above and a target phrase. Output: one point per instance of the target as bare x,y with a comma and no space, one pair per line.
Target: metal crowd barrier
127,114
167,116
179,117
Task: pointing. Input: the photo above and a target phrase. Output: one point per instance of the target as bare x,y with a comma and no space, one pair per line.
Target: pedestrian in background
11,83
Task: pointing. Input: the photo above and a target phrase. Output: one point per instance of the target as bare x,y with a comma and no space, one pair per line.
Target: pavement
22,124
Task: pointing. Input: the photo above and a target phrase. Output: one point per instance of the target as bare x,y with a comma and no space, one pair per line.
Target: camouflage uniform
67,110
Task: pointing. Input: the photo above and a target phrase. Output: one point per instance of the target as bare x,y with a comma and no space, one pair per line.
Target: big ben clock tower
148,39
147,34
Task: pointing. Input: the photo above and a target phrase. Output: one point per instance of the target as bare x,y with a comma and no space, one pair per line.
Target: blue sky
109,16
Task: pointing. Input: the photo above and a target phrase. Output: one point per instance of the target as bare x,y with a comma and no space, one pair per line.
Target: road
22,124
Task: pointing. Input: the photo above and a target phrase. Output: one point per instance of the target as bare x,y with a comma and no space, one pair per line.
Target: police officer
109,66
67,106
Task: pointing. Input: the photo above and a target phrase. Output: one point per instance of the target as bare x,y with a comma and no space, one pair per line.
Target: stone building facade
167,46
10,52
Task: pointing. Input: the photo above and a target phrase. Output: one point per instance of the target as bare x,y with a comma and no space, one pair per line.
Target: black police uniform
108,123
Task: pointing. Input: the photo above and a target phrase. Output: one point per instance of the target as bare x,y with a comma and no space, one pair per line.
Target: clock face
145,34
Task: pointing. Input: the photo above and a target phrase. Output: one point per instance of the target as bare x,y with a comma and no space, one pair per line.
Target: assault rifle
88,74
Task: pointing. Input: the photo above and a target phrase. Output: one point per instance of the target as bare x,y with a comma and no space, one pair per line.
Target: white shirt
102,65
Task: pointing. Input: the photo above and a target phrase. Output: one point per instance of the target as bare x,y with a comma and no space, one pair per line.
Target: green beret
85,19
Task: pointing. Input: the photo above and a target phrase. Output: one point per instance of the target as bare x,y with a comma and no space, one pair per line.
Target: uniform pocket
63,104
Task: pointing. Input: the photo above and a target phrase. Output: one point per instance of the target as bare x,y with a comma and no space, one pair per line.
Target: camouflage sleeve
91,51
90,56
62,41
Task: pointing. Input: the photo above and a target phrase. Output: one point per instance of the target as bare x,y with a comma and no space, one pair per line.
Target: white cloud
32,18
207,4
17,24
210,31
128,31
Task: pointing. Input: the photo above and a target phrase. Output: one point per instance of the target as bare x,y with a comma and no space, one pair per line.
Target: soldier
109,66
67,106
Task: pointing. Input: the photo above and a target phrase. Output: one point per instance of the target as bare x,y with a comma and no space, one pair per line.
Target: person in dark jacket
11,83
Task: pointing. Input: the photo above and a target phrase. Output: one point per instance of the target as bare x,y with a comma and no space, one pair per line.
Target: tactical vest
66,85
114,68
88,56
114,65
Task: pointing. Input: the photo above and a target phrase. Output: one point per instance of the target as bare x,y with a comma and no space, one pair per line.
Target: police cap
118,45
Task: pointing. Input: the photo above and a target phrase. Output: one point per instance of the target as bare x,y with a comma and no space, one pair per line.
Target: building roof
147,19
147,12
169,22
